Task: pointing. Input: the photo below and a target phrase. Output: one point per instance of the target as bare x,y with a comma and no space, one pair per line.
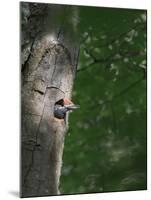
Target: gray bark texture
49,53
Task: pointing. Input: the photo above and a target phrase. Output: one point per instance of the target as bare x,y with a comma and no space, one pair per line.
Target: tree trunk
49,58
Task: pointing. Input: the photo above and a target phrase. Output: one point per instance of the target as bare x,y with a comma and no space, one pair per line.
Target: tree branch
122,92
110,58
121,35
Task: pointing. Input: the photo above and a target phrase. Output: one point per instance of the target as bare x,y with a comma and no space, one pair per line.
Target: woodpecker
62,107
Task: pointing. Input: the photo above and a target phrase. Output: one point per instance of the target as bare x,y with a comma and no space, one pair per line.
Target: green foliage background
105,147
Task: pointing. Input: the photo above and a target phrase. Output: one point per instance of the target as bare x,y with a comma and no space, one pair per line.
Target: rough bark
49,58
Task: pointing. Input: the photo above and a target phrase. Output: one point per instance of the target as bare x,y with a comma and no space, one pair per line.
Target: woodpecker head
62,106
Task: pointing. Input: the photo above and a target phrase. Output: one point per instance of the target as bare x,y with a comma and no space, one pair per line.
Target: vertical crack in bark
62,24
33,151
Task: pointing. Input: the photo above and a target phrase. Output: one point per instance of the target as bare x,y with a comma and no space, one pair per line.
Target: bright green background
105,147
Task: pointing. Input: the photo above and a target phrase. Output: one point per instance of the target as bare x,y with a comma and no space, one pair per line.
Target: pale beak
72,106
